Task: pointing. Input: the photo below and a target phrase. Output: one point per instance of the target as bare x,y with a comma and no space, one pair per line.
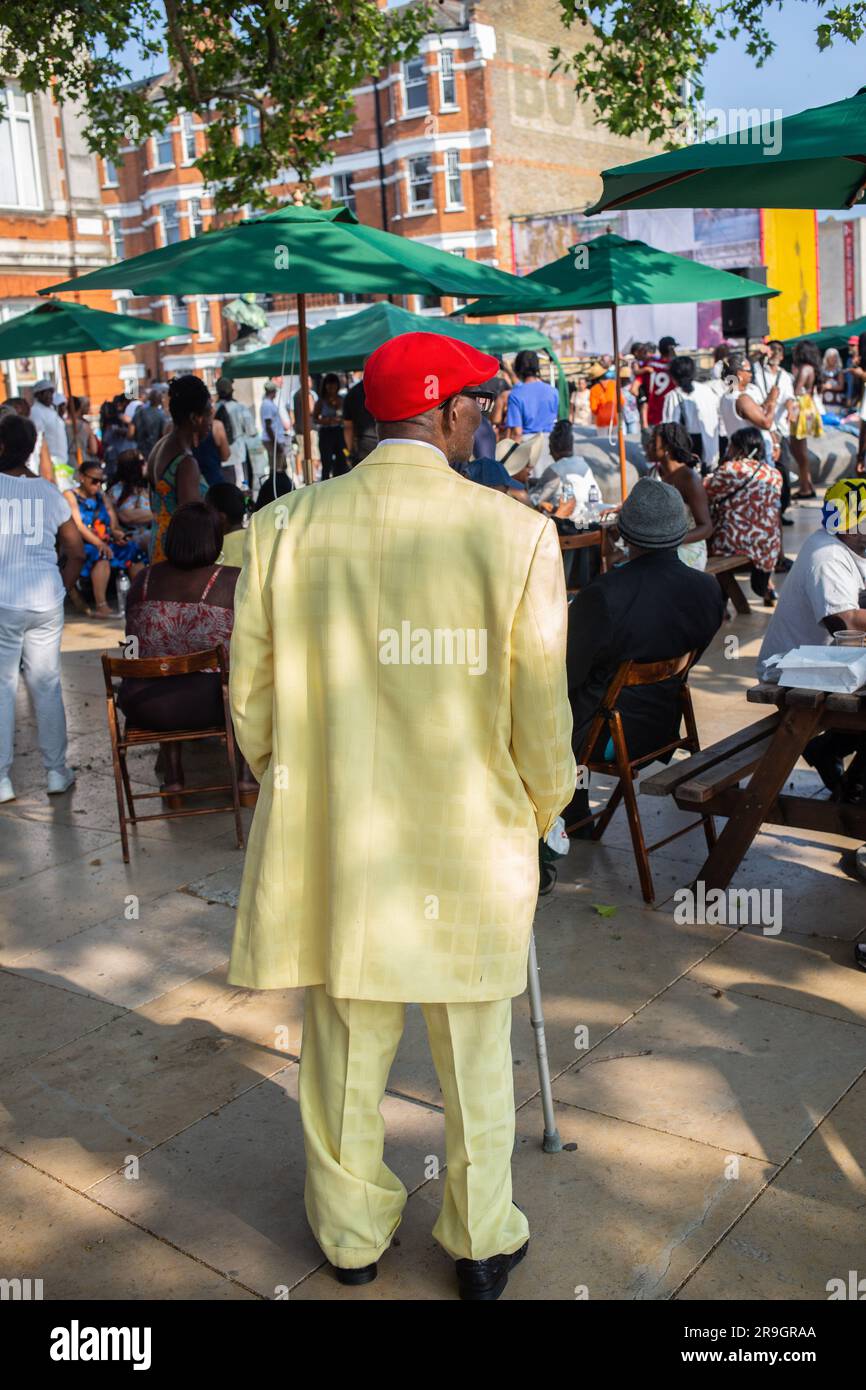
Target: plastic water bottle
123,587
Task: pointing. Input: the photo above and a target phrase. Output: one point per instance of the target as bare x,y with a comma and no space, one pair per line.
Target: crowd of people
410,784
789,404
139,470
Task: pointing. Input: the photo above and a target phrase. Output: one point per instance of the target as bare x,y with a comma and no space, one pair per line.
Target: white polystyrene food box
839,670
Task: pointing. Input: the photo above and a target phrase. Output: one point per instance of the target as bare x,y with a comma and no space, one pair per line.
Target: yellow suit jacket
398,688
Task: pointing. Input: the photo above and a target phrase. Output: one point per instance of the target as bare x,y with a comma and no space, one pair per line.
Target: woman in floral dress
744,495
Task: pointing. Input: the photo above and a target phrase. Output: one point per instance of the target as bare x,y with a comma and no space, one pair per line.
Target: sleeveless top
172,627
164,504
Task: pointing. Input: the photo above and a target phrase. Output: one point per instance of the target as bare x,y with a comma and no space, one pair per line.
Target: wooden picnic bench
723,567
764,755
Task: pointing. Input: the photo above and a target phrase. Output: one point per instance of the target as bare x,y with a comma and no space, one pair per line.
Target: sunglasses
485,400
93,477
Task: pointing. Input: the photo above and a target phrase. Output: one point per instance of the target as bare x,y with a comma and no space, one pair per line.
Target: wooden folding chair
154,668
623,766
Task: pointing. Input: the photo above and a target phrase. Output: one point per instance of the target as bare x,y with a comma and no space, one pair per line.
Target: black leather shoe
860,955
480,1280
356,1276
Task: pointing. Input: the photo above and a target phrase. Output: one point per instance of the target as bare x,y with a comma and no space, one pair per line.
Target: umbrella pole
71,408
620,438
305,394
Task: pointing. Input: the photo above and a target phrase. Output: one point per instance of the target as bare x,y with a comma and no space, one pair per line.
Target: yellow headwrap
845,506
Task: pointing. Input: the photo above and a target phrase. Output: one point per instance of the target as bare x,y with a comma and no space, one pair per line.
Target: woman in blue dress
106,547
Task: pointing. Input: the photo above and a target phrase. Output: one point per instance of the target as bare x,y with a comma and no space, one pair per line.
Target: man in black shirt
359,427
650,609
149,422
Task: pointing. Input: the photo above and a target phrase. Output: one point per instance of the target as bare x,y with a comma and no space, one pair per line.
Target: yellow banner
790,253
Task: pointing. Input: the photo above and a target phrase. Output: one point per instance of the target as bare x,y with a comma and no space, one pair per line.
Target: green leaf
604,910
297,62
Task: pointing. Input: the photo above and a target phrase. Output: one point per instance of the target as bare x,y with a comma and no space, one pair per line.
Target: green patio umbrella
302,250
344,344
816,159
57,328
611,272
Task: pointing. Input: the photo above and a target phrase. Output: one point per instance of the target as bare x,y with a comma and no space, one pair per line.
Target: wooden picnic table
765,753
583,540
593,535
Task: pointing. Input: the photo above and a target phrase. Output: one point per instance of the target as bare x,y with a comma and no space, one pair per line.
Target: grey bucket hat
653,516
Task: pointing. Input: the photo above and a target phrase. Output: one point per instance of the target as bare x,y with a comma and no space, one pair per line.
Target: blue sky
796,76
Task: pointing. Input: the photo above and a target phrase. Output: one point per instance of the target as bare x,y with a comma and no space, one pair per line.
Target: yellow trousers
354,1202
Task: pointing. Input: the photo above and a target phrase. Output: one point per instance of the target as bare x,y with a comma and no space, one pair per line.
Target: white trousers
30,642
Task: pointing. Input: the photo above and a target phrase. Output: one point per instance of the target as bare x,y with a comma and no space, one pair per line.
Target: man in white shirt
235,416
824,593
567,467
695,406
133,405
43,413
273,428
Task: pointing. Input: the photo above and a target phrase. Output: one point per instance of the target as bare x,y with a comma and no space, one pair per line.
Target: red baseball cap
415,372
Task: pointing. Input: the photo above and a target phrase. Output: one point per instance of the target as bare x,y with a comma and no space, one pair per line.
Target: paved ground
150,1144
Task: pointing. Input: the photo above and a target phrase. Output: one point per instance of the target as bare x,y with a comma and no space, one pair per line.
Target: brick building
52,226
448,147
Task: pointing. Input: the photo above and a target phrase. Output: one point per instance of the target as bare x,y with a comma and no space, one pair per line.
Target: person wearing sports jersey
659,381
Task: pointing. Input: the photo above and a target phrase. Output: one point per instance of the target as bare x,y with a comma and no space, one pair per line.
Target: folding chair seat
156,668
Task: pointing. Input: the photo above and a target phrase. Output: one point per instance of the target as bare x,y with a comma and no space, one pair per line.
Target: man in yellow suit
398,688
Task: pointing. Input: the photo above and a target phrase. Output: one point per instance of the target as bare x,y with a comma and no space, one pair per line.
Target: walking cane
551,1143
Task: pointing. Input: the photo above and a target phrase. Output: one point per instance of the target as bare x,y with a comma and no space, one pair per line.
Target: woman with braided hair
674,461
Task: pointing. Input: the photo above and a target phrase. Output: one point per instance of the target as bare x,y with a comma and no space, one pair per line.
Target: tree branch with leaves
641,62
296,62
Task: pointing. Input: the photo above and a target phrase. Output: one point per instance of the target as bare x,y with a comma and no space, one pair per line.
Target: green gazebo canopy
302,250
831,337
344,344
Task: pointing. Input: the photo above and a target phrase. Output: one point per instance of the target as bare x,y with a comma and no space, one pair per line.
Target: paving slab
744,1074
82,1251
30,848
818,976
807,1228
173,939
229,1189
44,914
81,1111
38,1018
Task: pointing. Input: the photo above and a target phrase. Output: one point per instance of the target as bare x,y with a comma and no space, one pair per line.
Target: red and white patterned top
744,506
166,627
